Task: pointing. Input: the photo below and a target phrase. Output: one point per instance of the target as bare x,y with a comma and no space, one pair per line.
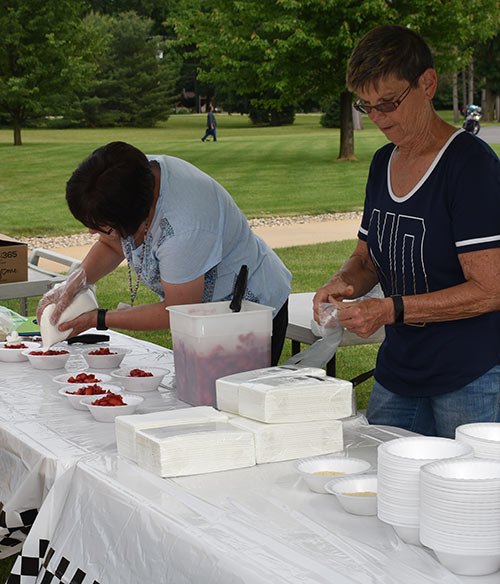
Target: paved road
490,134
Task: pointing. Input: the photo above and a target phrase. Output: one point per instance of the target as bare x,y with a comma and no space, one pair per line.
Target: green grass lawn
289,170
6,567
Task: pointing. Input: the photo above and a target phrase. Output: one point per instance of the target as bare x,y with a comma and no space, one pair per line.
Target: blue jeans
478,401
210,132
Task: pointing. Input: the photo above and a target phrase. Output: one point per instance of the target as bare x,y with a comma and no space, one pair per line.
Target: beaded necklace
134,290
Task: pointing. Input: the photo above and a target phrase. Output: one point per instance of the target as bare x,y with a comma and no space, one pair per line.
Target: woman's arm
147,317
478,295
354,279
103,257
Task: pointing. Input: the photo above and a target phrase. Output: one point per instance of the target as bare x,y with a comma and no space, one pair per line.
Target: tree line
125,62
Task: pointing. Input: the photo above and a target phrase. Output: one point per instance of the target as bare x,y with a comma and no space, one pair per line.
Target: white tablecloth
101,519
110,521
41,435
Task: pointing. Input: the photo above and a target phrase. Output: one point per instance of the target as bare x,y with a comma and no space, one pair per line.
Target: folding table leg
24,306
331,367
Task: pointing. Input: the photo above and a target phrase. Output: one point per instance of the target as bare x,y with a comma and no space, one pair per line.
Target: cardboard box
13,260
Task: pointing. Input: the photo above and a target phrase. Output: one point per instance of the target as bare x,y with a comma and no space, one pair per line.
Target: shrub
331,116
272,117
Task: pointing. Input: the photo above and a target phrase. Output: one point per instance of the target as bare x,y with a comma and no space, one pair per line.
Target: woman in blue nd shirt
430,234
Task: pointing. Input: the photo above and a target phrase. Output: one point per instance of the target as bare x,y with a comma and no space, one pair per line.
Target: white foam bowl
459,508
48,361
489,431
330,467
105,361
140,384
11,355
399,464
412,451
468,473
74,399
460,514
347,492
469,565
484,438
109,413
64,377
407,534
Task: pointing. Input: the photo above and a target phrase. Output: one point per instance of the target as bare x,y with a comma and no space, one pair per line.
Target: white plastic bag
328,321
83,301
9,321
321,351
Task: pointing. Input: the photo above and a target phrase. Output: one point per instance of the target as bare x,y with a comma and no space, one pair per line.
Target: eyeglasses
385,107
105,231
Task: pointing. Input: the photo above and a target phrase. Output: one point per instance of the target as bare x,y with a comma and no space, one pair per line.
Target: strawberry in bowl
111,405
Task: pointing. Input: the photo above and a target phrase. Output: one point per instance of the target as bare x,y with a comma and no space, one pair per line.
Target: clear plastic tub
211,341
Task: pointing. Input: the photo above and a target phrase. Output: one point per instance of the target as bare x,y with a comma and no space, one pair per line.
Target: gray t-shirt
198,229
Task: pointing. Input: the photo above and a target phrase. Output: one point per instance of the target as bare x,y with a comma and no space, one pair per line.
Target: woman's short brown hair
388,50
113,187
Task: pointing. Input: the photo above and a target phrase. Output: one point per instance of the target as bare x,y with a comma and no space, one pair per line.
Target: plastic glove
62,295
328,321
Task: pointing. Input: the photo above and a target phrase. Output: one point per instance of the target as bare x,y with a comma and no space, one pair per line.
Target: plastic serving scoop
239,289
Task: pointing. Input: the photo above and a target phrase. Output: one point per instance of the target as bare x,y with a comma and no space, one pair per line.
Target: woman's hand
365,317
81,323
356,277
333,292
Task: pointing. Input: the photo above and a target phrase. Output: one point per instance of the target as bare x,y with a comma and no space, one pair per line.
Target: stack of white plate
484,437
460,514
399,462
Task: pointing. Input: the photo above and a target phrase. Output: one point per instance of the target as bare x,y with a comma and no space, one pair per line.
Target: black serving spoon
239,289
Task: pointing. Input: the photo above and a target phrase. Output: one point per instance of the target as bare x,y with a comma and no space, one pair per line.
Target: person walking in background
211,125
430,235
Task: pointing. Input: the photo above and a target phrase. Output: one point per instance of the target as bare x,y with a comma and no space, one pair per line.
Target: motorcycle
473,114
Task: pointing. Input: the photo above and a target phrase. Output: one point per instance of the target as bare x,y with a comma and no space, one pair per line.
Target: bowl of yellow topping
317,471
356,494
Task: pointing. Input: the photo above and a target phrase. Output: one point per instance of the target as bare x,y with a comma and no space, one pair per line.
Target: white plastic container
211,341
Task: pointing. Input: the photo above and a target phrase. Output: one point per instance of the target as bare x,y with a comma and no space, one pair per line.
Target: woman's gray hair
388,50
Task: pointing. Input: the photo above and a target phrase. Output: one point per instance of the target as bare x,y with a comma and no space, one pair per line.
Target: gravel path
87,239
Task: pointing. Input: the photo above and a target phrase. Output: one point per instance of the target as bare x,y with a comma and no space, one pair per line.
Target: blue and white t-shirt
198,229
414,242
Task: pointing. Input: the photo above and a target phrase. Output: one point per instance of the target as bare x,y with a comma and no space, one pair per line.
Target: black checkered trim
14,527
29,569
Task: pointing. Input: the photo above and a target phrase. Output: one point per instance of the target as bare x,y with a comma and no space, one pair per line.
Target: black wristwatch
101,319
